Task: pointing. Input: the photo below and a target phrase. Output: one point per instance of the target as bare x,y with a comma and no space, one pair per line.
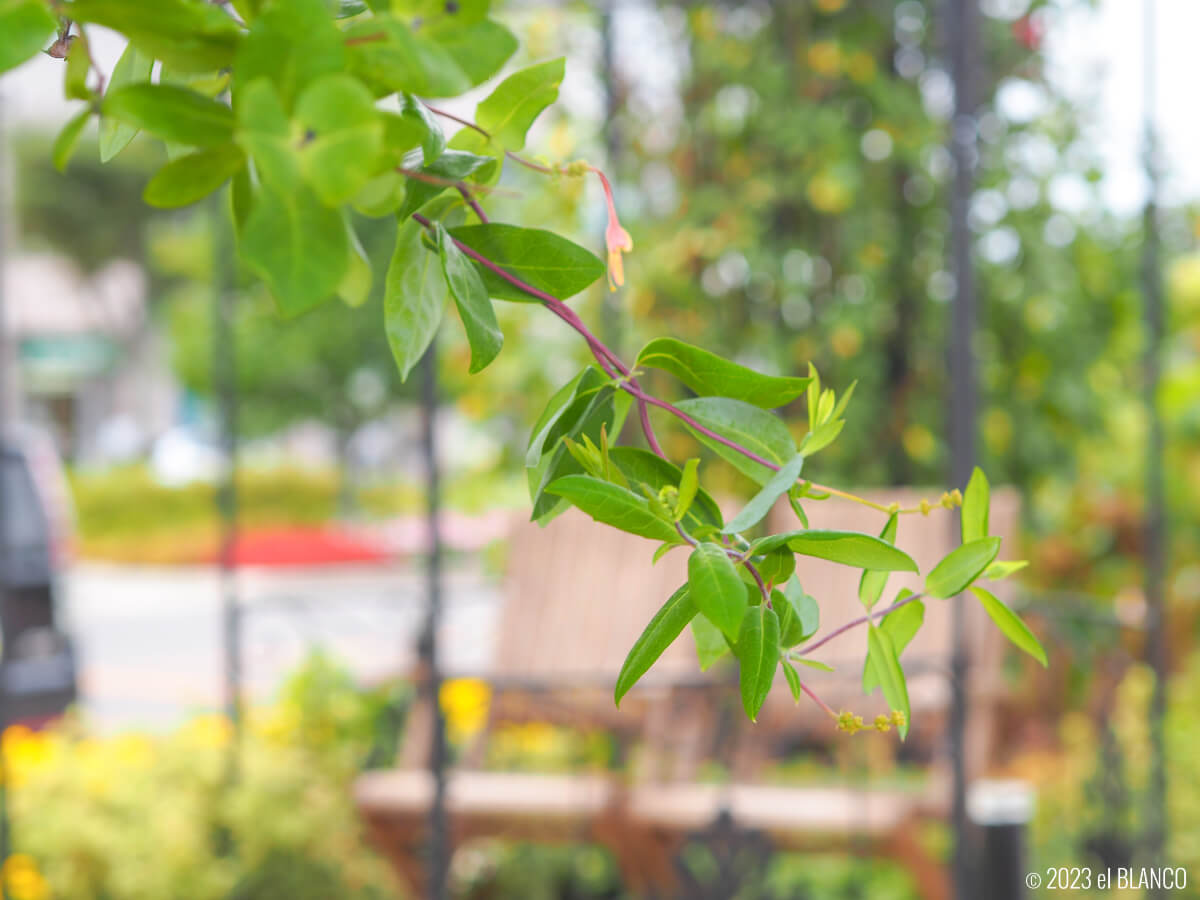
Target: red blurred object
1029,31
304,547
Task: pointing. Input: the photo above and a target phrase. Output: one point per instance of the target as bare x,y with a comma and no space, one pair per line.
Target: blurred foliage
125,515
135,816
1092,793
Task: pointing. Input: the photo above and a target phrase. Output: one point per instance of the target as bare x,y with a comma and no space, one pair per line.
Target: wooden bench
577,595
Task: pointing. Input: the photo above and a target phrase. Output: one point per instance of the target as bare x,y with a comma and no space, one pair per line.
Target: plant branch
861,620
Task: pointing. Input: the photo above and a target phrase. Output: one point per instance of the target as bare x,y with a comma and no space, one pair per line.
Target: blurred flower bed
124,515
1092,792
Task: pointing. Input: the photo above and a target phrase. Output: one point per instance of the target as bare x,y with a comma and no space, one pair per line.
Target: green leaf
755,429
758,507
431,138
848,548
872,583
187,35
381,196
799,615
384,52
641,467
975,508
716,588
440,175
133,67
68,139
474,307
556,408
757,650
901,625
291,44
414,298
510,109
814,664
613,505
689,483
882,654
540,258
343,136
954,574
777,566
264,132
710,375
480,49
355,286
793,681
172,113
1003,568
710,643
25,27
1012,626
603,409
296,246
825,435
79,63
193,177
662,631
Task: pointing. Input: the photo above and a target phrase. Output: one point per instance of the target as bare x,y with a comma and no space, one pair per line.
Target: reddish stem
861,620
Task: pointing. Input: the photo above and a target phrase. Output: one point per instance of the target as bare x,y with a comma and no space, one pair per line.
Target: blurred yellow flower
465,703
846,340
828,194
861,67
825,58
211,731
830,6
919,443
21,875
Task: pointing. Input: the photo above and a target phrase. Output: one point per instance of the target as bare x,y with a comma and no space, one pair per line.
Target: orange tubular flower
616,238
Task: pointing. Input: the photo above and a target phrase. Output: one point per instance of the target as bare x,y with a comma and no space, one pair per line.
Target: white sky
1097,58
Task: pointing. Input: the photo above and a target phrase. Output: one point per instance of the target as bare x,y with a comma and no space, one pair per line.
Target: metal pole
962,49
5,824
438,848
224,362
1155,526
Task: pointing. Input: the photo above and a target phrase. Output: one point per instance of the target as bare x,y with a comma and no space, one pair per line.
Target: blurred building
88,365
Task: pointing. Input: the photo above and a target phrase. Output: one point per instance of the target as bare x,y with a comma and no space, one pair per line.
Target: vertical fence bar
5,362
962,46
438,847
1155,533
224,362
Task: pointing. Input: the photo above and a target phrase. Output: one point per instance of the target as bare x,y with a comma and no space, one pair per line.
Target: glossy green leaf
799,615
871,584
886,663
296,246
975,508
755,429
385,52
901,625
710,375
440,175
957,570
757,650
777,566
474,306
689,483
430,135
613,505
79,64
355,286
193,177
172,113
188,35
849,548
414,298
641,467
1011,625
343,136
265,133
26,26
760,504
825,435
662,631
793,680
508,112
560,405
711,645
381,196
133,67
292,44
68,139
814,664
716,588
540,258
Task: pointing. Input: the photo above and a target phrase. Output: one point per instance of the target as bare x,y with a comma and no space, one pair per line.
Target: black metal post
438,847
224,363
961,25
1155,526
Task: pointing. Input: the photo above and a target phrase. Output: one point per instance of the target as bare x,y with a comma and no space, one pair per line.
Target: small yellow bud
883,723
925,507
577,168
894,508
898,718
849,722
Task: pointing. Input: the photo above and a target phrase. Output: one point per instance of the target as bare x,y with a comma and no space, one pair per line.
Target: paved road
149,637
